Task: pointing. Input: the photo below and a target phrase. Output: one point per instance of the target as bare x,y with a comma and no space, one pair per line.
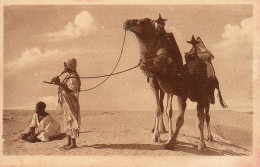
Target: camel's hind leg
200,114
210,137
179,122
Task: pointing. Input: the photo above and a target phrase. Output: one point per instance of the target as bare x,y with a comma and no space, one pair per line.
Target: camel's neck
147,46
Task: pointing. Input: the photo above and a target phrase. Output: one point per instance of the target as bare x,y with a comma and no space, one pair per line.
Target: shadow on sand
220,143
60,137
132,146
85,131
63,135
181,146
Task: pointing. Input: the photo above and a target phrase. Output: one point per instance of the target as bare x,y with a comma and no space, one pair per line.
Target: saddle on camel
199,57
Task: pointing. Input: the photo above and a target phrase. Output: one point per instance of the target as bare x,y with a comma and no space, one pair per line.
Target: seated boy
43,127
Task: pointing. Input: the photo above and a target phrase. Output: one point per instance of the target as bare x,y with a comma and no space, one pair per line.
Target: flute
57,76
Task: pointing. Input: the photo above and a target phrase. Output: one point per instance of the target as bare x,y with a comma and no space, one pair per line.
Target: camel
161,60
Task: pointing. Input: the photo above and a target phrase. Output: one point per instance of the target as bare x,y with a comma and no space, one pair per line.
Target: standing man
68,95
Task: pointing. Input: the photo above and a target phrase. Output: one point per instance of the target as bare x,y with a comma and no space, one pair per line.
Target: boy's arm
33,123
31,129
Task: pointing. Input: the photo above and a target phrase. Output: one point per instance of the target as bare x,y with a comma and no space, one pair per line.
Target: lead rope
101,76
112,70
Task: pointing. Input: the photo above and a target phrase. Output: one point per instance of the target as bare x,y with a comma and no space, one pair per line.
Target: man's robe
69,102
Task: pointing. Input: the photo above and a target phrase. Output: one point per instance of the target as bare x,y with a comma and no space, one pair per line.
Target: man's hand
56,80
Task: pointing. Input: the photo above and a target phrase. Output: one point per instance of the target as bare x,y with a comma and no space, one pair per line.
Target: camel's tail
221,100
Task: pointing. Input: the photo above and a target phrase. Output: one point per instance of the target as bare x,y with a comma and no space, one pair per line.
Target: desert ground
128,133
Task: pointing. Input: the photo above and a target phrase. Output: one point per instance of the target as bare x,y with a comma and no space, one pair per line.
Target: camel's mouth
126,25
132,25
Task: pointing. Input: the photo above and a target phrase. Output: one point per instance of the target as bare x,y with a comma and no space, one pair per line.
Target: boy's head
40,107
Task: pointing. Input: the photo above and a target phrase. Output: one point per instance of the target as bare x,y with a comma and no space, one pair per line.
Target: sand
128,133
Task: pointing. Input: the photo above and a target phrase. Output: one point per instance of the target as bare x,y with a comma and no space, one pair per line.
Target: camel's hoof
170,144
156,139
210,138
201,146
170,136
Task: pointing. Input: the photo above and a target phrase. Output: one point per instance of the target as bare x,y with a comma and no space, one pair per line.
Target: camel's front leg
155,88
156,133
169,114
171,143
161,124
210,137
200,114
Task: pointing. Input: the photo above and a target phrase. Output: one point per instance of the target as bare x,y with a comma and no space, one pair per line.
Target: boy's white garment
47,127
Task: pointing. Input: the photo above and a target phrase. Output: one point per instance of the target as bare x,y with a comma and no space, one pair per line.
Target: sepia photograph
129,82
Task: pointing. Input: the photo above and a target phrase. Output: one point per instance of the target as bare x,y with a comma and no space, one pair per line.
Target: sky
38,39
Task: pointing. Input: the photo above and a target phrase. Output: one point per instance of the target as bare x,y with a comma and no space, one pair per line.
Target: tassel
221,100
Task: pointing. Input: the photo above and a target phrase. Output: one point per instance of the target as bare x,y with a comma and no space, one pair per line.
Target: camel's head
140,26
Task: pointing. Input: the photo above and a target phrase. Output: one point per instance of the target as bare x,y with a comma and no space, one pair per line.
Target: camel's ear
160,18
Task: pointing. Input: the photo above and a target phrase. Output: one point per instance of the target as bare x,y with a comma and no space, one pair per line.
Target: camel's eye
141,22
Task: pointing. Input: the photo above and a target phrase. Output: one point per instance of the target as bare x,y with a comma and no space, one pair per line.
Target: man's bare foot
69,147
72,145
68,142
